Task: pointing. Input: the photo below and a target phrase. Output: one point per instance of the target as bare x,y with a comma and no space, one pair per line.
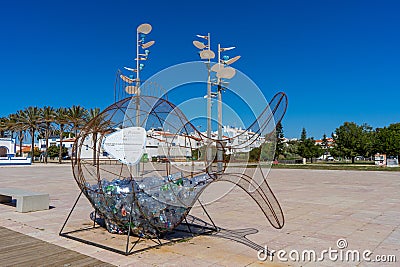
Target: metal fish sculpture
150,200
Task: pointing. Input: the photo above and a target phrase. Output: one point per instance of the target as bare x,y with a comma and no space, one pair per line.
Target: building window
3,151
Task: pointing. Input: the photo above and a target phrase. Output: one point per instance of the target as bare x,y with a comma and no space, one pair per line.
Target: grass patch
335,166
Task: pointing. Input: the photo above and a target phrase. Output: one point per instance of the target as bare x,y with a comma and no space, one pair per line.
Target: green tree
61,118
36,152
352,140
77,116
3,126
387,140
307,147
291,149
47,115
302,148
97,124
267,151
94,121
31,119
347,137
280,146
254,154
53,151
16,123
303,135
325,145
324,142
367,144
11,126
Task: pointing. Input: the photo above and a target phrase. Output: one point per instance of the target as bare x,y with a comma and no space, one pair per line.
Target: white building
164,144
7,147
8,153
55,141
241,140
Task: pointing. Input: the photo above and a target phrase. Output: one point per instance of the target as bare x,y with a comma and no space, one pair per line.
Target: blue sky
336,60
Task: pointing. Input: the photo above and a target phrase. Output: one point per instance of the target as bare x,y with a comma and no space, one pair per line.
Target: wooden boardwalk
17,249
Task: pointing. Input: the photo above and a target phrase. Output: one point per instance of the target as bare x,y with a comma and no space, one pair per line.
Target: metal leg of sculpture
69,215
208,215
188,226
95,217
129,234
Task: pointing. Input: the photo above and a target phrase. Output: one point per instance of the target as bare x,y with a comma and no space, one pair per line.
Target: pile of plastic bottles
151,206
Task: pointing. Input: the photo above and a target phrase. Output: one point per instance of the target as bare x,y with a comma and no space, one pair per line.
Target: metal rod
219,144
69,215
95,216
129,231
137,171
188,226
209,151
208,215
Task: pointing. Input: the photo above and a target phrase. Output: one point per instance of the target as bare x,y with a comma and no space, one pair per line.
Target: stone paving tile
320,207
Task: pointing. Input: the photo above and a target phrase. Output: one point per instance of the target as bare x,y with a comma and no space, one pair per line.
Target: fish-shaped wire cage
151,197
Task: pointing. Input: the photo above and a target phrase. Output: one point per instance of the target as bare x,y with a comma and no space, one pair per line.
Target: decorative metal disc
148,44
199,45
144,28
232,60
226,73
217,67
126,79
207,54
130,69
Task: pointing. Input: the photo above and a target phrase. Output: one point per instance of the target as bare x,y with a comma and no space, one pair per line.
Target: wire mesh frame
238,236
98,126
185,127
130,250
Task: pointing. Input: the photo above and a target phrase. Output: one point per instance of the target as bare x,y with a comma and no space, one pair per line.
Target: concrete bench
26,201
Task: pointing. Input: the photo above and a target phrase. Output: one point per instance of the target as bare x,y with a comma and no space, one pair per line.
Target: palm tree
77,116
61,118
47,115
16,123
31,119
10,124
93,118
3,126
97,124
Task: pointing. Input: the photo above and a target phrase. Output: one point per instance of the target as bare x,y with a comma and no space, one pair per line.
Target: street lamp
223,72
207,54
142,53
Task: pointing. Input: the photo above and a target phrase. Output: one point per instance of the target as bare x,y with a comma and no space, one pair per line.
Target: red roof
69,139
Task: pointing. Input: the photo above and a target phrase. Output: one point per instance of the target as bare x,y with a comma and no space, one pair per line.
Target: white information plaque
127,145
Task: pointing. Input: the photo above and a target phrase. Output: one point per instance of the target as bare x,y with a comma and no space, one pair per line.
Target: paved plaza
320,208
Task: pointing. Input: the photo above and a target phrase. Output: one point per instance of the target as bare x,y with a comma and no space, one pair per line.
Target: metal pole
219,146
137,93
138,79
209,151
